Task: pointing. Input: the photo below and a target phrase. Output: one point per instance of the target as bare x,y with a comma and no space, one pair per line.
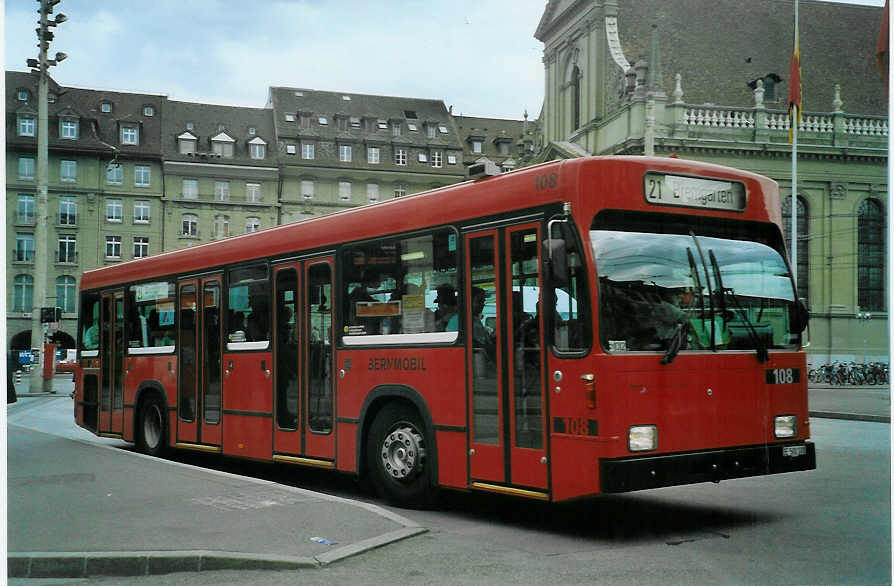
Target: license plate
794,451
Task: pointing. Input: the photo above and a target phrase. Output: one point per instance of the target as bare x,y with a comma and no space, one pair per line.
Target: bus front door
508,439
111,348
303,385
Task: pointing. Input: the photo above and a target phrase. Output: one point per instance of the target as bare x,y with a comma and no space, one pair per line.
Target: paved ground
187,514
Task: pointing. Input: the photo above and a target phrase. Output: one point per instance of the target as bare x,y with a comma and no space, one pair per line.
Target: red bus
588,326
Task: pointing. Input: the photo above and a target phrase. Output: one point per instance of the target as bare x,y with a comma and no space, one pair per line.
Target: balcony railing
22,256
66,257
66,219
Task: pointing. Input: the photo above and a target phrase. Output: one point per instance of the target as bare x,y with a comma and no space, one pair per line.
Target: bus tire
152,428
397,457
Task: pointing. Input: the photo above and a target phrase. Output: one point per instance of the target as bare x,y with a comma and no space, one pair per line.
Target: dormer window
186,143
222,145
130,134
26,124
252,131
442,129
382,124
190,126
51,98
355,122
22,95
430,130
323,121
257,148
105,107
68,128
290,117
411,126
148,110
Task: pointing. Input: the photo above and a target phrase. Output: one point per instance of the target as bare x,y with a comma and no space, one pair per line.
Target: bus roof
574,180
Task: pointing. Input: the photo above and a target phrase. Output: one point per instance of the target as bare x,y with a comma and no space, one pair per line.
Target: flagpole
794,122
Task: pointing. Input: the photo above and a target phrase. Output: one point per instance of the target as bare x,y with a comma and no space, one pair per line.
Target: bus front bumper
644,472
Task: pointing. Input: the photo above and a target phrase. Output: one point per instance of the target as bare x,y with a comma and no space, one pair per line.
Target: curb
151,563
850,416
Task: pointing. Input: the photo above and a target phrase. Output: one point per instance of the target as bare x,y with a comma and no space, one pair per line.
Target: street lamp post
41,256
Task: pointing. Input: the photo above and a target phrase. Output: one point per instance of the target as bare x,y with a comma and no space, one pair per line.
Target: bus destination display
694,192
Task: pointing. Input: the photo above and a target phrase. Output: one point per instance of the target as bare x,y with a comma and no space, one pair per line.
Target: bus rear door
111,347
303,385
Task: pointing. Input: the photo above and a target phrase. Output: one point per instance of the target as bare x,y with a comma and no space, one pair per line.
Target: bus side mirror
800,317
557,257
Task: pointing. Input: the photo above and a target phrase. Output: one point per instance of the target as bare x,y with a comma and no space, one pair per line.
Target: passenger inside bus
446,318
362,293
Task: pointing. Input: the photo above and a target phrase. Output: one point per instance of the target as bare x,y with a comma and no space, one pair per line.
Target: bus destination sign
694,192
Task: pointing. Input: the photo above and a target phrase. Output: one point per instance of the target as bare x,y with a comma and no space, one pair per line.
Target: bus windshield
708,293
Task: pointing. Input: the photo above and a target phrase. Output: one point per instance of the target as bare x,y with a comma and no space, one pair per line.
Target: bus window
401,290
652,286
150,317
90,324
571,331
248,319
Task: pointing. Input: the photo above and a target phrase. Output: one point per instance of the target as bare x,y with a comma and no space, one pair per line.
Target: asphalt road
828,526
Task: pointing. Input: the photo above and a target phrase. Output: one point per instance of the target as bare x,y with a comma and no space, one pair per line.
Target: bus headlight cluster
785,426
642,438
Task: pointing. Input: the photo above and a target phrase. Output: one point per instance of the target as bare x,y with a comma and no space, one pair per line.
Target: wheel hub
403,452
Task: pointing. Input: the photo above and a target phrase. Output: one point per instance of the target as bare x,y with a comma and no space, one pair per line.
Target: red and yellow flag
794,87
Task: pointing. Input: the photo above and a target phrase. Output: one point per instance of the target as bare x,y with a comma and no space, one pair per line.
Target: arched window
189,225
65,293
870,256
22,293
803,221
575,98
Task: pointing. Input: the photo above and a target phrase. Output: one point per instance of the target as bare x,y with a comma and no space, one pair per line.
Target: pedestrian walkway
85,509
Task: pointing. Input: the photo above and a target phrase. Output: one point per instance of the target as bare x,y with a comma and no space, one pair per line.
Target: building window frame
142,212
344,190
307,151
114,174
189,189
221,191
69,128
871,255
113,247
373,155
68,211
189,225
26,168
400,157
114,211
26,125
66,293
25,209
345,153
130,134
140,246
68,171
142,176
23,294
253,192
307,189
67,249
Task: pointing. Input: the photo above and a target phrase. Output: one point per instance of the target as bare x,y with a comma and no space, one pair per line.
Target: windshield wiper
710,289
679,336
759,346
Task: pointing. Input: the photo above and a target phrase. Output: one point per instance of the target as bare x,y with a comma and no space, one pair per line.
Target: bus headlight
785,426
642,438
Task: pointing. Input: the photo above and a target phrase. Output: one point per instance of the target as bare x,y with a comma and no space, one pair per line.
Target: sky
480,56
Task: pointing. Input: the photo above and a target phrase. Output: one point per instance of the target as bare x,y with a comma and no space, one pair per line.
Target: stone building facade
706,80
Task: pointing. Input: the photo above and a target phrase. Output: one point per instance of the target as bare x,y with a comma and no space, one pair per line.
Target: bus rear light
785,426
642,438
589,389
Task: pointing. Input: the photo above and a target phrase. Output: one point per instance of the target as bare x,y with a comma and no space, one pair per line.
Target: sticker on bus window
377,308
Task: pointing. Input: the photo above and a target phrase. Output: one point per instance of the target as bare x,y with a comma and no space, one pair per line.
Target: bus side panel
142,368
248,405
575,466
452,468
346,447
437,374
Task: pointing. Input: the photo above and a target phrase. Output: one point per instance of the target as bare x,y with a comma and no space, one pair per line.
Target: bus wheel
151,428
397,457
